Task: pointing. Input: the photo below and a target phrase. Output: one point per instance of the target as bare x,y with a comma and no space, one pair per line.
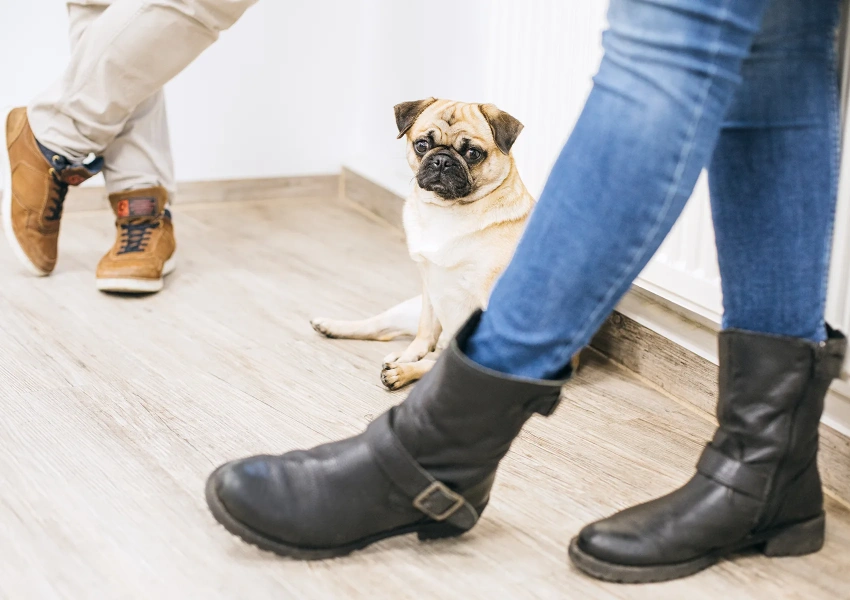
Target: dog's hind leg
400,320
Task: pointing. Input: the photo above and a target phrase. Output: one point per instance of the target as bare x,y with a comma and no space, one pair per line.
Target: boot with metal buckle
757,483
425,467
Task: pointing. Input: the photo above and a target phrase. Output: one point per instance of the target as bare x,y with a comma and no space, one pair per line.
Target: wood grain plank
116,409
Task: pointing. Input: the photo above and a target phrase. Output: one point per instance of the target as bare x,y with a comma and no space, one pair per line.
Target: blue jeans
747,88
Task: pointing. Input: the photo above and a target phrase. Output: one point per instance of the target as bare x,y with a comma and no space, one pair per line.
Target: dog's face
460,152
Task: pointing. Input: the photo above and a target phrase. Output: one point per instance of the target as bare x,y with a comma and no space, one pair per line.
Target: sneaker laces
58,192
136,233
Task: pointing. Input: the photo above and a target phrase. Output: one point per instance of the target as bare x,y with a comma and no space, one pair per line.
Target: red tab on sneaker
74,175
136,207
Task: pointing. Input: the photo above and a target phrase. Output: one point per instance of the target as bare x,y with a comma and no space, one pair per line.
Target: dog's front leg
399,369
397,375
427,334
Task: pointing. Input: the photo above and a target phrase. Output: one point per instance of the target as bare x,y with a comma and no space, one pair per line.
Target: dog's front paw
323,326
393,376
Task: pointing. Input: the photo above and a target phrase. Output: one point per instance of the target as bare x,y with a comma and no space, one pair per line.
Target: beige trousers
109,101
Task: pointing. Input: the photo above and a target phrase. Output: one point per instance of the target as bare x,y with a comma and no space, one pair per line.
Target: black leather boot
757,483
425,466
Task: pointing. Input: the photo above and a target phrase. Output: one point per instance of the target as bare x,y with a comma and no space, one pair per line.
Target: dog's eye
421,146
473,155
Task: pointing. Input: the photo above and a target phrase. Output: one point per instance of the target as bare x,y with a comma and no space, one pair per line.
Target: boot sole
129,285
6,203
799,539
425,531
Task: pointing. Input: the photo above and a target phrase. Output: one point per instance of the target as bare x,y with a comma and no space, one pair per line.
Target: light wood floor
114,410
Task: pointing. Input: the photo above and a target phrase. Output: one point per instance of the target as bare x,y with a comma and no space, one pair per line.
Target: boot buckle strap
438,502
429,496
734,474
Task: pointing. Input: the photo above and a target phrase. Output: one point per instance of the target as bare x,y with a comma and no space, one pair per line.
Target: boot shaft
479,413
771,392
771,398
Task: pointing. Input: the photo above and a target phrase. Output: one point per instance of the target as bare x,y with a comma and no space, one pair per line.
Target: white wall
532,59
268,99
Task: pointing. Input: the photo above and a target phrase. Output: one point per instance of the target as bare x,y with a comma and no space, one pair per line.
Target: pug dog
463,221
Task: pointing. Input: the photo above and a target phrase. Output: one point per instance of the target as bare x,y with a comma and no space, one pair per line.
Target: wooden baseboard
678,371
692,379
369,195
225,190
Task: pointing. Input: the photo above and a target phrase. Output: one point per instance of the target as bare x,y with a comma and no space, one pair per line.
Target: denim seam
638,255
835,175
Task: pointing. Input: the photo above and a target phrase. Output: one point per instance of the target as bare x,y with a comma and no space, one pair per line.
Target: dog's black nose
442,162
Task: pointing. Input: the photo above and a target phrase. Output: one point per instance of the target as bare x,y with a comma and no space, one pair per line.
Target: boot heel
438,531
803,538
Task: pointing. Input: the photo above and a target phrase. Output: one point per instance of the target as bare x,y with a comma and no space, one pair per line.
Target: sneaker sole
128,285
6,203
424,531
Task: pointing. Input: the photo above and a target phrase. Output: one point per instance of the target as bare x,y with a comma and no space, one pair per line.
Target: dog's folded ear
406,113
505,128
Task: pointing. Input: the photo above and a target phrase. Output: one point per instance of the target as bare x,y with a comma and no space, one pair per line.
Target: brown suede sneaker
144,247
35,182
